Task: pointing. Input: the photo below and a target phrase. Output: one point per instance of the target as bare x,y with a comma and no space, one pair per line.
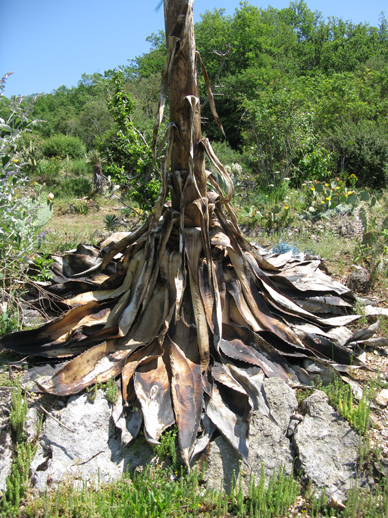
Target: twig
55,419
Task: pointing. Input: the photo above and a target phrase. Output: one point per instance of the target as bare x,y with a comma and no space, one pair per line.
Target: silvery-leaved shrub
21,214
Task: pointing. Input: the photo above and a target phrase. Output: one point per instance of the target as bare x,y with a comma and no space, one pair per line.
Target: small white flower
50,196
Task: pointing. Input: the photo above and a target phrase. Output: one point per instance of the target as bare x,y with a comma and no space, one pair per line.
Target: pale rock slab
88,449
327,448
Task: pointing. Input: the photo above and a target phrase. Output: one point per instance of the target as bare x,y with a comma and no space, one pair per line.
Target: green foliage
111,391
132,165
341,398
79,207
62,146
40,269
362,149
110,388
78,187
21,216
272,502
18,413
9,323
18,481
166,492
168,446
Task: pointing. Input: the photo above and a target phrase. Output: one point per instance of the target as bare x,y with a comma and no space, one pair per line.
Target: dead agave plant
184,308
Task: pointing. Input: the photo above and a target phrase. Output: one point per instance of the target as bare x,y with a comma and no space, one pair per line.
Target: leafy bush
20,216
362,149
62,146
75,187
79,168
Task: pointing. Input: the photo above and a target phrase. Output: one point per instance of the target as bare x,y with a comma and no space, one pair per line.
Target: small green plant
111,390
92,392
111,222
18,413
40,269
168,446
80,207
281,492
9,322
18,480
341,398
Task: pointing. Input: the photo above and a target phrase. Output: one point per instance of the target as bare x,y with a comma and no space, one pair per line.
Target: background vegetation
299,96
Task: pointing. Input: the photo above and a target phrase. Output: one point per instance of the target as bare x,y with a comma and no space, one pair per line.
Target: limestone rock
5,437
267,444
88,449
281,400
31,425
327,447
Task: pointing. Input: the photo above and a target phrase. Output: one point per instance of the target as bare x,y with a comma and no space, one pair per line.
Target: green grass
159,491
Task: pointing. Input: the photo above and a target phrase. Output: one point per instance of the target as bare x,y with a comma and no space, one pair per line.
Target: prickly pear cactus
43,211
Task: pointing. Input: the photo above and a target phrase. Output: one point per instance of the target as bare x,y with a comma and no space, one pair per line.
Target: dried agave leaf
204,439
220,169
221,374
100,295
138,289
272,362
251,380
127,420
153,389
233,286
36,341
151,320
95,365
186,386
140,355
256,303
210,94
200,322
233,427
363,334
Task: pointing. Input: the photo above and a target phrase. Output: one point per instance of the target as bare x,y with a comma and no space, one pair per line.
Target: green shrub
77,187
62,146
79,168
362,149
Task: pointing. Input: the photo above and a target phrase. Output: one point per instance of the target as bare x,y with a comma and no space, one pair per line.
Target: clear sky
50,43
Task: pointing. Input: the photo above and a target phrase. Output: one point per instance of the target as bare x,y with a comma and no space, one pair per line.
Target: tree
183,308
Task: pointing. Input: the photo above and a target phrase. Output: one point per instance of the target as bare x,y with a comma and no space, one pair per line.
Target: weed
8,322
18,480
40,270
80,207
18,413
341,398
168,446
111,391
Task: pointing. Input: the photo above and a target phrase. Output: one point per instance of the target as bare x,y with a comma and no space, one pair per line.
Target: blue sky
50,43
